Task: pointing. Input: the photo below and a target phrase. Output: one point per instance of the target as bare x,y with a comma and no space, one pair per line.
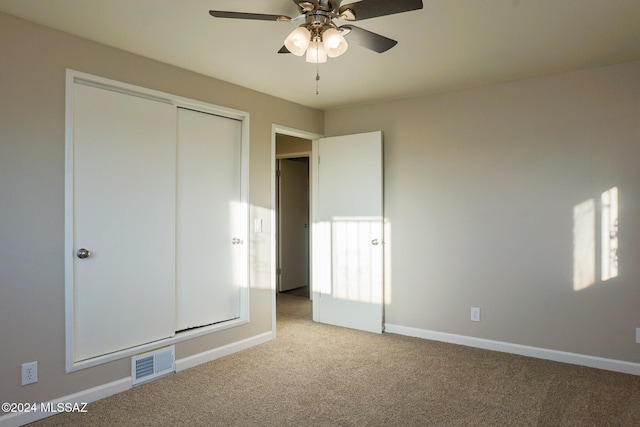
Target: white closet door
209,207
124,214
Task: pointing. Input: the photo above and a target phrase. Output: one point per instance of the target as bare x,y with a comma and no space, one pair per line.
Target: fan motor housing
324,5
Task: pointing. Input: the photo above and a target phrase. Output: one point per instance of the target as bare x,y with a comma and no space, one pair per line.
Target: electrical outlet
475,314
29,373
637,335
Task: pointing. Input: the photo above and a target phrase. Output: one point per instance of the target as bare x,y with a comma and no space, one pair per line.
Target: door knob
83,253
236,241
374,242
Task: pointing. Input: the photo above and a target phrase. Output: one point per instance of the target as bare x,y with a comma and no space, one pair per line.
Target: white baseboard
216,353
523,350
81,398
109,389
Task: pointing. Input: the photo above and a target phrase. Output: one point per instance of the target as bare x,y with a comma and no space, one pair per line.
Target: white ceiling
450,44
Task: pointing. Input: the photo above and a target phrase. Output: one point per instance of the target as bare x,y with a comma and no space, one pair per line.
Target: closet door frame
75,77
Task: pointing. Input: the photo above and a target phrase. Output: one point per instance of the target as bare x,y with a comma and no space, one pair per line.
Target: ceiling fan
319,37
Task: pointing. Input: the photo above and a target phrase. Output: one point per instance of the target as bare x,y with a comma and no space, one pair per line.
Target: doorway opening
293,215
288,143
347,225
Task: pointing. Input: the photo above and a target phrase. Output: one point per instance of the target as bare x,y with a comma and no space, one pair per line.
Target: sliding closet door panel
124,215
208,219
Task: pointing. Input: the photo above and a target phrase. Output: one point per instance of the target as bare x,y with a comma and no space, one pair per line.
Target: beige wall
480,187
287,144
32,115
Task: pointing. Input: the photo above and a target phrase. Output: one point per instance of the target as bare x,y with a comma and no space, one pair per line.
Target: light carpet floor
320,375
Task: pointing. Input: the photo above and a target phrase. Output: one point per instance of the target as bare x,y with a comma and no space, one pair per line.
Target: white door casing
347,231
121,204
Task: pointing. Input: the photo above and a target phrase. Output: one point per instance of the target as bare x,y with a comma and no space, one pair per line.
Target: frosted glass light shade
316,54
298,41
334,42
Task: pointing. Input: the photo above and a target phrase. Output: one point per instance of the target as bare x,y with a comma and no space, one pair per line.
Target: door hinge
278,271
278,173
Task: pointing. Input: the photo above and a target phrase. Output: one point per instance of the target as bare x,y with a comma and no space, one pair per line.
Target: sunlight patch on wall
609,234
262,264
584,240
322,257
584,245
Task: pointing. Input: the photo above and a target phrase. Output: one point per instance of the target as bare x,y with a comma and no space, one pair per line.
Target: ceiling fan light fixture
316,53
334,42
298,41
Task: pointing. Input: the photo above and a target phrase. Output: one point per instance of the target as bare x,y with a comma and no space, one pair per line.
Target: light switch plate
257,225
475,314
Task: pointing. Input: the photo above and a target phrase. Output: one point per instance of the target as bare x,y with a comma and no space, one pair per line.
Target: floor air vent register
153,364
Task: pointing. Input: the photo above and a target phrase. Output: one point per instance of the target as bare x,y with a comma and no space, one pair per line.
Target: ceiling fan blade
367,39
366,9
243,15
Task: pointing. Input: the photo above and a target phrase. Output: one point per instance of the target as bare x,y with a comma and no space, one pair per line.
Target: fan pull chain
317,72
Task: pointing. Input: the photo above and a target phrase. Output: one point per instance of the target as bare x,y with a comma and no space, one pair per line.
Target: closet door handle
236,241
83,253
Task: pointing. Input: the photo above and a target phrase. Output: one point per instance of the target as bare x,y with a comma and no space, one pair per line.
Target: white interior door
209,242
347,233
123,192
293,224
